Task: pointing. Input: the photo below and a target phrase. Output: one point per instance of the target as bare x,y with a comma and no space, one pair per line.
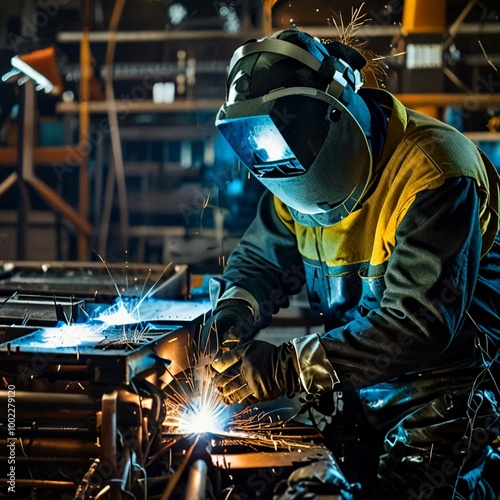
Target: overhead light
177,12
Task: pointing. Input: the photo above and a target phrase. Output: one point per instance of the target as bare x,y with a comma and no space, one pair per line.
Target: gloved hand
256,371
231,323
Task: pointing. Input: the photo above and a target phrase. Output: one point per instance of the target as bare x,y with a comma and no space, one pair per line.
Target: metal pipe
57,446
154,36
119,487
114,130
25,163
32,460
28,416
48,401
44,430
109,430
480,101
197,481
41,483
367,31
176,476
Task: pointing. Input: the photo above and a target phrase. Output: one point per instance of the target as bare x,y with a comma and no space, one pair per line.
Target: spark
127,311
145,281
194,407
117,326
110,275
26,318
488,59
348,35
126,270
144,296
13,296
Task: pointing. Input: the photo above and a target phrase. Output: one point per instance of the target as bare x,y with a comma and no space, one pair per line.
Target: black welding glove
256,371
231,322
260,371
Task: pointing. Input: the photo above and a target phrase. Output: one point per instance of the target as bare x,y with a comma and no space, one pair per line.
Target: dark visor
278,135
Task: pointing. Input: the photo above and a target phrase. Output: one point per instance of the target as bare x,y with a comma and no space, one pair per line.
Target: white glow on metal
202,419
69,336
118,314
197,408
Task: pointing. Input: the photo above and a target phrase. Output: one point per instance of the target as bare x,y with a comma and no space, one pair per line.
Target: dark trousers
423,436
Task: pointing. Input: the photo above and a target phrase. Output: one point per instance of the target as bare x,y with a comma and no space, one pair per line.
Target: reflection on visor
278,135
260,146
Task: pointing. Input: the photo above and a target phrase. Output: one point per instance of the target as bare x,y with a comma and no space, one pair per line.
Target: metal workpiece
108,357
241,464
110,397
41,310
99,281
11,331
120,341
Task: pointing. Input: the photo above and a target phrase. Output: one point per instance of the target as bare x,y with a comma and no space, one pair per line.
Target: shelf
148,168
381,30
166,133
471,101
483,136
367,31
36,218
155,36
475,101
143,106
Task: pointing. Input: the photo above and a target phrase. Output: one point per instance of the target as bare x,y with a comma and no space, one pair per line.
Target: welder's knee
434,452
490,478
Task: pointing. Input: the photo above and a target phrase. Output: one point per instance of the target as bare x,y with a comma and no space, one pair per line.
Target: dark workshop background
161,186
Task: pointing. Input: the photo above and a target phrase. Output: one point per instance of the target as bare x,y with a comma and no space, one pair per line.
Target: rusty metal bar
83,132
109,430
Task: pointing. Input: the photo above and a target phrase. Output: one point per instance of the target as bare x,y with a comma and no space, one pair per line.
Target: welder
390,220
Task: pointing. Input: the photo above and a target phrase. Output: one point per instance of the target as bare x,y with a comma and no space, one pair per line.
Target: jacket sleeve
429,283
266,264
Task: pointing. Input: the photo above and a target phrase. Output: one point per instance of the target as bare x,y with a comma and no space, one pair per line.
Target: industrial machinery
103,395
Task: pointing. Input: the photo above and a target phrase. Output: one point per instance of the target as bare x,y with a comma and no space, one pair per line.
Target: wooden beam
42,155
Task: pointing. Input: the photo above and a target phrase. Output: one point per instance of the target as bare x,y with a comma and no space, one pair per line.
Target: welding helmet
293,117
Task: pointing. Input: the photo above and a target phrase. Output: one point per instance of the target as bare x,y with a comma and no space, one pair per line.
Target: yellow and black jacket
410,280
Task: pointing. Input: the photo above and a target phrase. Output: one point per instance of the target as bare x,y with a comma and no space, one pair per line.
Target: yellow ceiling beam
424,16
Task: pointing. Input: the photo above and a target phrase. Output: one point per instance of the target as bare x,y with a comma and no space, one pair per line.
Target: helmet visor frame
282,144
